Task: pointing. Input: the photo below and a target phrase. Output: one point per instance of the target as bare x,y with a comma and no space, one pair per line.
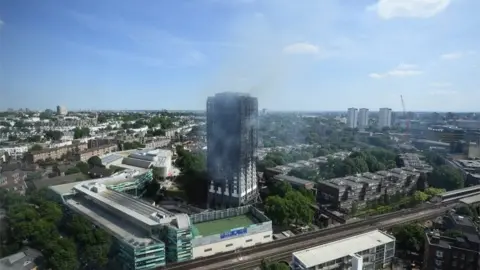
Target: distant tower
61,110
232,124
352,117
363,118
385,117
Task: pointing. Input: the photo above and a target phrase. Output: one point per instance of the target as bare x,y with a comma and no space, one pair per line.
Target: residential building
97,151
446,253
343,192
385,117
27,259
352,117
232,141
371,250
55,153
62,110
14,181
15,152
156,142
97,142
363,118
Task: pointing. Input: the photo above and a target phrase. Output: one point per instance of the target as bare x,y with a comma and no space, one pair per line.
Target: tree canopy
409,237
446,177
286,205
67,241
53,135
194,178
94,161
79,132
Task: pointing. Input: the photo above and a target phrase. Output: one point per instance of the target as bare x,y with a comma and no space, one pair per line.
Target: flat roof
219,226
334,250
121,229
471,200
124,176
458,191
293,179
123,203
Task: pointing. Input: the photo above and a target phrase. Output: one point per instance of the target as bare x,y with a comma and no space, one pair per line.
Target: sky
310,55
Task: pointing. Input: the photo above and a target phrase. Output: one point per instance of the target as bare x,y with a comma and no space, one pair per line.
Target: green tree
266,265
83,167
72,170
409,237
419,197
36,147
94,161
53,135
464,211
446,177
81,132
432,192
277,209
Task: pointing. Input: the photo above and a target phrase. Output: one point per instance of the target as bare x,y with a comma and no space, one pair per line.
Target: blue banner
234,232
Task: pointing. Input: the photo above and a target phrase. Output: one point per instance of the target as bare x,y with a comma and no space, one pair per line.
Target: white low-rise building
16,152
371,250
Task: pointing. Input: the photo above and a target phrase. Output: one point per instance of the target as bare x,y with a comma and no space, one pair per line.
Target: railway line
250,257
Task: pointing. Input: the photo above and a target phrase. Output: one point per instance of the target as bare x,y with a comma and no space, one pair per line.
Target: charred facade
232,124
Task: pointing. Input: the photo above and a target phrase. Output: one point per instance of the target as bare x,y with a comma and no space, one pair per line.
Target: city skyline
317,56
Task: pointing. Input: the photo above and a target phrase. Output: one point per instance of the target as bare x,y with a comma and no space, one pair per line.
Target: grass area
222,225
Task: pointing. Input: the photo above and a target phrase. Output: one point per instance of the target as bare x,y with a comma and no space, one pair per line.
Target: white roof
334,250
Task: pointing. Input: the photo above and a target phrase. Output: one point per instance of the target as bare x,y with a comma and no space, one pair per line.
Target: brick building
55,153
97,151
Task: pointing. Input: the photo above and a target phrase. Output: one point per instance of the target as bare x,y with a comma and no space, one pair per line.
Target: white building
62,110
352,117
142,161
371,250
385,117
16,152
363,118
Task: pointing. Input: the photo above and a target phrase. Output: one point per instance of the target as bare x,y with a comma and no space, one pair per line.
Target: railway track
286,253
301,240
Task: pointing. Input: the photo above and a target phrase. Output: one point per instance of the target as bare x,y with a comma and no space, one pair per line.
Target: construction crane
407,121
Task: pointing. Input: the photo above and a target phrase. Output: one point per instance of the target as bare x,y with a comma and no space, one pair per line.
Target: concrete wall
232,244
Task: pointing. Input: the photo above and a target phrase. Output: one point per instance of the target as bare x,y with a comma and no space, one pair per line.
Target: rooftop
23,260
225,224
334,250
292,179
471,200
59,180
123,203
124,176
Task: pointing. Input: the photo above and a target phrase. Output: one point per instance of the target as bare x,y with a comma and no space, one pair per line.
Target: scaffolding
136,187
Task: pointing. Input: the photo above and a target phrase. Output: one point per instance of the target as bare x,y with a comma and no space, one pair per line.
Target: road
249,259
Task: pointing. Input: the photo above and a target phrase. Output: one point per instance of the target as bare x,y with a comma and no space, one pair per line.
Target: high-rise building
352,117
61,110
232,124
363,118
385,117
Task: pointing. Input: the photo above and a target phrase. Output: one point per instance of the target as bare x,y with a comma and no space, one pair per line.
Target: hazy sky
291,54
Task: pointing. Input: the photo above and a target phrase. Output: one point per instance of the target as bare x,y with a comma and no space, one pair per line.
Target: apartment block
448,253
352,117
98,151
343,192
55,153
371,250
